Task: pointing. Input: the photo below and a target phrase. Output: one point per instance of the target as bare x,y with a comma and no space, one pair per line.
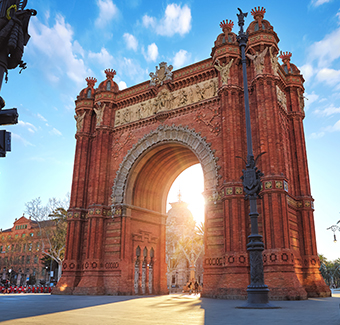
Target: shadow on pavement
15,306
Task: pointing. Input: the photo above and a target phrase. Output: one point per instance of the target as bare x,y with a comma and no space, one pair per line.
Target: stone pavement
171,309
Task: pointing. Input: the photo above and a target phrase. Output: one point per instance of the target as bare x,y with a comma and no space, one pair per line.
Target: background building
184,247
21,253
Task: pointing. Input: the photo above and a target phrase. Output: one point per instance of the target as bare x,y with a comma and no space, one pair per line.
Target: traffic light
5,142
7,117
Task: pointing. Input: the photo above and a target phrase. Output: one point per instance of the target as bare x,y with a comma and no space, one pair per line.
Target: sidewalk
171,309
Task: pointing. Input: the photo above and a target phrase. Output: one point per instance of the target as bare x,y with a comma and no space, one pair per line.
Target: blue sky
71,40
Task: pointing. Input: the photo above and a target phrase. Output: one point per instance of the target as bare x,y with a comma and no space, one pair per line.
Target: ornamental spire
258,13
226,26
91,81
285,57
110,73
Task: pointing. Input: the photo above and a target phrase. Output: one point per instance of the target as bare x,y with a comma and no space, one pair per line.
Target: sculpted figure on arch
79,121
224,70
99,113
258,59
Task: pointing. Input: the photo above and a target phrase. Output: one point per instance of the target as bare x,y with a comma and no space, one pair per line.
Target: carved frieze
166,100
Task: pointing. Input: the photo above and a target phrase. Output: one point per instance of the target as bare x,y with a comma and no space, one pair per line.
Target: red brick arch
133,143
166,151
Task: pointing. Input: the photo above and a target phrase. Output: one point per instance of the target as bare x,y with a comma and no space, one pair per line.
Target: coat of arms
162,73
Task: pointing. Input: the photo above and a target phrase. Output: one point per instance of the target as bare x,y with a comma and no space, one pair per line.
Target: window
23,235
34,271
37,246
89,93
28,259
9,237
24,247
31,234
35,259
8,248
13,247
23,259
108,85
16,236
30,246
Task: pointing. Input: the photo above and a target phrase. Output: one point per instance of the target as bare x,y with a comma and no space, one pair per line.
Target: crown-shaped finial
226,25
91,81
110,73
285,57
258,13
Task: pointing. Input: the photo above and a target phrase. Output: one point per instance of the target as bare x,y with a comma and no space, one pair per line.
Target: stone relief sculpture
200,92
99,113
281,98
162,74
79,121
224,70
274,61
258,60
166,100
301,99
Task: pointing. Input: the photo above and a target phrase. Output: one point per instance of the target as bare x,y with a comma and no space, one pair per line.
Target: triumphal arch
133,143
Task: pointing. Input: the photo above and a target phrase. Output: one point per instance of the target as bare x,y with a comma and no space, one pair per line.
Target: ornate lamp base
258,299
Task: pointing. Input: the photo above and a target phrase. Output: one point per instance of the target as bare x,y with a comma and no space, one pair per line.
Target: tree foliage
330,270
52,222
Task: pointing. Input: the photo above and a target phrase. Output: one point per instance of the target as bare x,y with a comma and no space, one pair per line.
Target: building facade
133,143
21,254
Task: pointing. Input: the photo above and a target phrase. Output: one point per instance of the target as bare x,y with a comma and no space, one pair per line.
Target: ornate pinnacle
258,13
226,25
91,81
110,73
285,57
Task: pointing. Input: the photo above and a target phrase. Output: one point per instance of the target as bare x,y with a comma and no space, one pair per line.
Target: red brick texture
140,158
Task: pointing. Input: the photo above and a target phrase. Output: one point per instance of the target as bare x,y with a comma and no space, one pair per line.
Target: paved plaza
170,309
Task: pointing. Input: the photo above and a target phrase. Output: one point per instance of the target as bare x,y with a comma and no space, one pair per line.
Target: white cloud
149,21
330,110
330,76
152,53
41,117
317,3
327,50
54,131
307,71
181,58
30,127
310,98
104,58
19,138
122,85
107,11
132,69
54,48
317,135
334,128
131,41
176,20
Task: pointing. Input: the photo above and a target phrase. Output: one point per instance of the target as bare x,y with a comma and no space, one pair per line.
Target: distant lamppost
334,228
10,276
257,291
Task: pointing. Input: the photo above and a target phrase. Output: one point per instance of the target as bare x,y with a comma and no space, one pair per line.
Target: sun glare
191,185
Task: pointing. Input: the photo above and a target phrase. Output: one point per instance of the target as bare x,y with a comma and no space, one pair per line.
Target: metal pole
257,291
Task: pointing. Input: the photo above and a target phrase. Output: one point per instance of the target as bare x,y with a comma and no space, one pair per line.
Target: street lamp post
334,228
257,291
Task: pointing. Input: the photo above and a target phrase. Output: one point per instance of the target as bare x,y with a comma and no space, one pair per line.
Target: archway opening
185,232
